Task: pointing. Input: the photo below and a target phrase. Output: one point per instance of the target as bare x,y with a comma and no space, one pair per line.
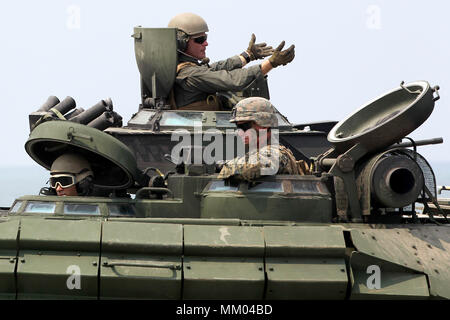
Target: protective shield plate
385,120
156,57
113,164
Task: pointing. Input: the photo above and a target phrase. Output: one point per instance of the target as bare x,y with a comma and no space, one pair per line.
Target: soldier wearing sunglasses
71,175
255,117
196,83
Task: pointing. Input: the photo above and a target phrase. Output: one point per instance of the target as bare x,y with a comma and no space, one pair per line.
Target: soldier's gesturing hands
259,50
282,57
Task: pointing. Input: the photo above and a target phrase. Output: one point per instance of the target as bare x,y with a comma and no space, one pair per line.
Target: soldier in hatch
71,175
255,117
196,84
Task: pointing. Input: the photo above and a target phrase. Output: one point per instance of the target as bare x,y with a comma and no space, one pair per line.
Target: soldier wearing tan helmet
71,175
196,84
255,117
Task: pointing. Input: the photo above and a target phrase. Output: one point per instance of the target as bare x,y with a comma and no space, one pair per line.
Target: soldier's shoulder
187,67
274,147
270,151
285,150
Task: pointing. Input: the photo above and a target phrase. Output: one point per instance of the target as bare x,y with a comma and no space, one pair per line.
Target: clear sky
347,53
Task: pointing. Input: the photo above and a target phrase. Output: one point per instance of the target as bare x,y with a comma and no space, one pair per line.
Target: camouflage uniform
270,159
195,82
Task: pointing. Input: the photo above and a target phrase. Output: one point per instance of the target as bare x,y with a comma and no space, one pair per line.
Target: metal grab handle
443,188
130,263
138,193
11,259
417,143
435,89
412,92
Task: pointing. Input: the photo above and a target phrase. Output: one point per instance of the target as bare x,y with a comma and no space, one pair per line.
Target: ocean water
19,181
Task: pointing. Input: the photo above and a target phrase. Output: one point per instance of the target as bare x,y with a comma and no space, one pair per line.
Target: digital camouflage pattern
269,160
256,109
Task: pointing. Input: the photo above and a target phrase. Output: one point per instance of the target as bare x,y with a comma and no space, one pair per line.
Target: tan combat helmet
255,109
189,23
73,164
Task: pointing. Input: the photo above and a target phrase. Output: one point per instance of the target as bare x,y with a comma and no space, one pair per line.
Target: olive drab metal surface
141,260
163,259
58,259
113,164
306,262
9,232
223,262
415,261
156,57
386,119
309,196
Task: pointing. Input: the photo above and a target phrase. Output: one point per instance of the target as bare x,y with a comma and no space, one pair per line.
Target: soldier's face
197,50
251,132
69,191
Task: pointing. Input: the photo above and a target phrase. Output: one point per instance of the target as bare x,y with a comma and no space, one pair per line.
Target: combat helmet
257,109
189,23
73,164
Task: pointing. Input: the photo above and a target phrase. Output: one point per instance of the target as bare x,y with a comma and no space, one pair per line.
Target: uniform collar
183,57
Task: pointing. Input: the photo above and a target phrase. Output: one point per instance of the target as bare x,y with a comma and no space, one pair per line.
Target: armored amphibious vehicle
164,227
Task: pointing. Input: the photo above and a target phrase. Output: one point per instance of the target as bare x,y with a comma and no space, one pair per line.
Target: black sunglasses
244,126
200,40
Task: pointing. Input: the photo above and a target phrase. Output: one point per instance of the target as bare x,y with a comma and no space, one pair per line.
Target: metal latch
71,135
412,92
11,259
137,35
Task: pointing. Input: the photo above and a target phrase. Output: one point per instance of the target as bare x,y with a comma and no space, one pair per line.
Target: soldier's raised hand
282,57
259,50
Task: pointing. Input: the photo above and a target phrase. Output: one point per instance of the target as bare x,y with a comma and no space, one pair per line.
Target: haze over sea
28,180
